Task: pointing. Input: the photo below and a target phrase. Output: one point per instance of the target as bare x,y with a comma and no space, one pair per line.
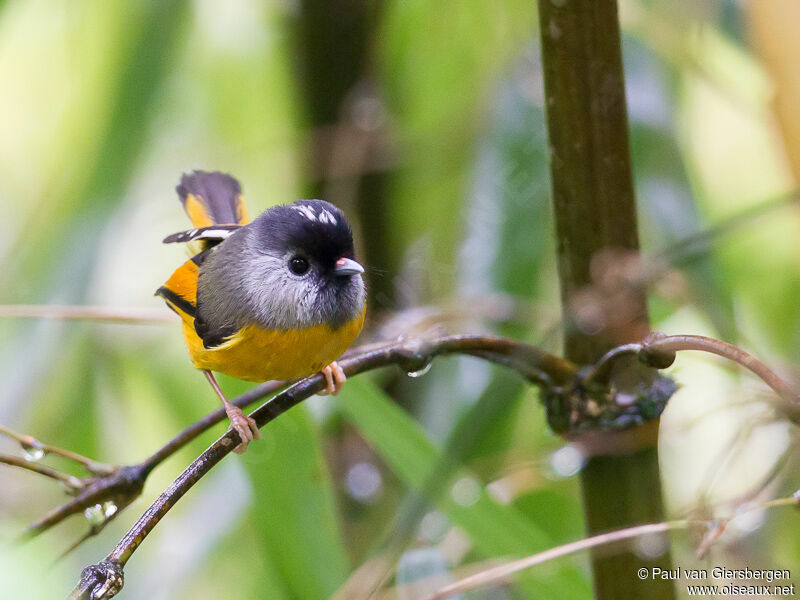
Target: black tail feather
212,198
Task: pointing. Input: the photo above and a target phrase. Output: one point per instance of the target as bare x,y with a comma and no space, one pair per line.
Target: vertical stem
595,210
335,40
590,156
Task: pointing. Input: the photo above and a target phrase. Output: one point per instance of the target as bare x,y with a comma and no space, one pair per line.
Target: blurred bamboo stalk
773,26
595,213
336,78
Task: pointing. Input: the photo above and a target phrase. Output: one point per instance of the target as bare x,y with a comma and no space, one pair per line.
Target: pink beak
347,266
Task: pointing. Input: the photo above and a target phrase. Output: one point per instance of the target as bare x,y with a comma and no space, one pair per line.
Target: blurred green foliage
104,105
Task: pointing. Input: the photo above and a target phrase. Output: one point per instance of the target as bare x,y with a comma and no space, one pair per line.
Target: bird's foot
245,426
334,378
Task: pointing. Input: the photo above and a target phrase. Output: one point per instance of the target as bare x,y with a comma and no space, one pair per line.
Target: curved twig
31,444
109,314
104,580
72,483
659,350
674,343
122,485
501,573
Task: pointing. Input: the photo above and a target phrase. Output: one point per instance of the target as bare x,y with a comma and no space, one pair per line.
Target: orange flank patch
184,281
256,354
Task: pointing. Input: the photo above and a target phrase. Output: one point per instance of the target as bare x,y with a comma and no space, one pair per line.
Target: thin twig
109,314
673,343
72,483
502,572
30,443
659,350
96,528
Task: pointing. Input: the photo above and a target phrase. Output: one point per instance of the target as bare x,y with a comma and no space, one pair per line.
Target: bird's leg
245,426
334,378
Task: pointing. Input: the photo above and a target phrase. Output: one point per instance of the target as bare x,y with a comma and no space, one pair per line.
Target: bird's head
307,264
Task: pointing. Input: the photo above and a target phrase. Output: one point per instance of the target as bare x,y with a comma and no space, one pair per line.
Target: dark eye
298,265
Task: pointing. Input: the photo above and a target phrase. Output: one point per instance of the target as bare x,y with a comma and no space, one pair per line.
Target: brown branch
122,485
665,345
409,355
659,350
72,483
547,370
32,445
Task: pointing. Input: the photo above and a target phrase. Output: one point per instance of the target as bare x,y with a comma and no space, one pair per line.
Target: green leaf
237,562
147,37
495,530
437,112
294,512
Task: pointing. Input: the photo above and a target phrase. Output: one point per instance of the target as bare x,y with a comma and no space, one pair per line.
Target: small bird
280,297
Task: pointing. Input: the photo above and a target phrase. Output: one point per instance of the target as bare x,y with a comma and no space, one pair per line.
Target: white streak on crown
324,216
306,211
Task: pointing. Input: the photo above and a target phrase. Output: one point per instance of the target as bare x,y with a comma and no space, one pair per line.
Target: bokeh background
424,121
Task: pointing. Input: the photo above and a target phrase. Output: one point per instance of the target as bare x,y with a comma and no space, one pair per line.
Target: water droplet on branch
32,450
109,509
94,514
415,358
100,513
420,372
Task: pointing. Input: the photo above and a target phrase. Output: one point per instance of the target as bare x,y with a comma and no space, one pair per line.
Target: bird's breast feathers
257,354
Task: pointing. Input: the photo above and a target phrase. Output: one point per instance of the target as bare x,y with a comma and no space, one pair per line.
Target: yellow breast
256,354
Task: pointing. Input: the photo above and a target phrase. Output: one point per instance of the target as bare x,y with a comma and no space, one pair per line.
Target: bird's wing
180,294
212,233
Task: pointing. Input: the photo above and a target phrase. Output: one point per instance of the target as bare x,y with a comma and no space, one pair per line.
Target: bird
277,298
